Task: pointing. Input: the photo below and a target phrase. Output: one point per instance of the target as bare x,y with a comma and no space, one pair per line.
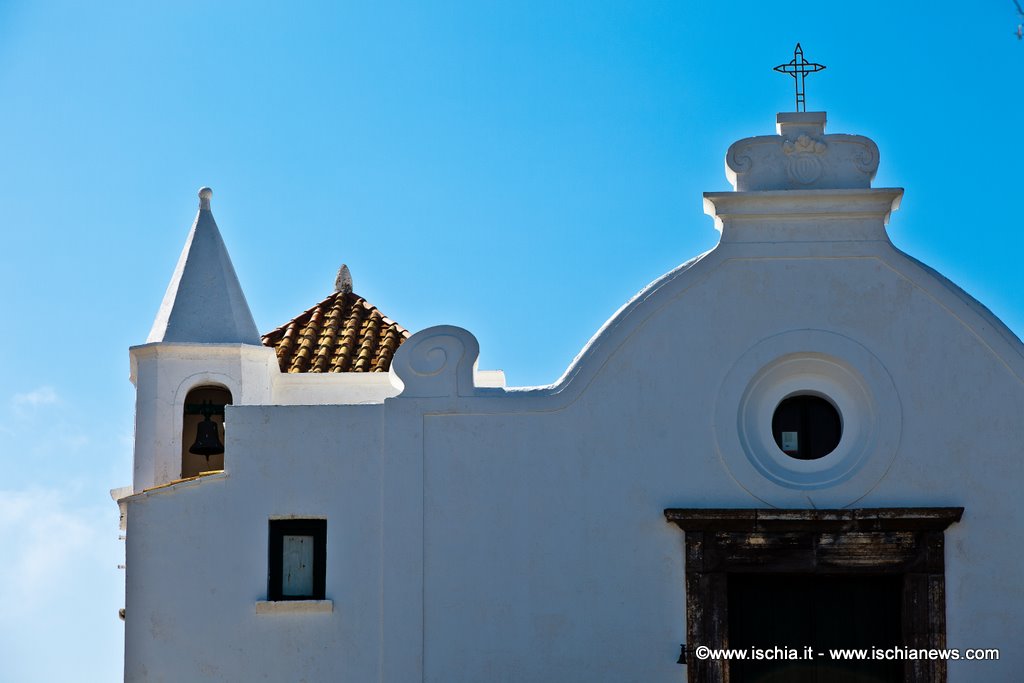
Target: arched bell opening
202,430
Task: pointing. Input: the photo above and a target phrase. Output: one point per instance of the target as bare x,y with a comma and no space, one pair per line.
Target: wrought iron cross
798,69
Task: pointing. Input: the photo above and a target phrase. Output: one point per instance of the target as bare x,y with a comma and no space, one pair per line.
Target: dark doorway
819,612
883,569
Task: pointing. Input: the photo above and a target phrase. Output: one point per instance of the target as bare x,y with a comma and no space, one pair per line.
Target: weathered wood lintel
845,520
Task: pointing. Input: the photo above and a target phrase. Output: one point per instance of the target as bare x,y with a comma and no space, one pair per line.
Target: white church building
801,440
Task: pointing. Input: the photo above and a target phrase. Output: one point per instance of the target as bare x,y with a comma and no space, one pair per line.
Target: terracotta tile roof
342,333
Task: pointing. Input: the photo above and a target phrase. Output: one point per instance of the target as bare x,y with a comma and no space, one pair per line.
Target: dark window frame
278,529
908,542
816,420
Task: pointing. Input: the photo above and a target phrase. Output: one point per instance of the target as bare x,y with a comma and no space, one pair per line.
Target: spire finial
343,283
204,198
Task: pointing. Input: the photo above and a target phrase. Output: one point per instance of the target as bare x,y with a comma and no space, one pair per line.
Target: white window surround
819,363
294,606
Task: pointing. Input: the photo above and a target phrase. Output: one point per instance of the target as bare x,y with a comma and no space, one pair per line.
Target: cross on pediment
798,68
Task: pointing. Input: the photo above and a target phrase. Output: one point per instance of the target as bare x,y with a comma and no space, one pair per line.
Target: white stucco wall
515,536
197,555
477,533
569,571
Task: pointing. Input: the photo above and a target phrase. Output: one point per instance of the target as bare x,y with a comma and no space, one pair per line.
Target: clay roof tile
342,333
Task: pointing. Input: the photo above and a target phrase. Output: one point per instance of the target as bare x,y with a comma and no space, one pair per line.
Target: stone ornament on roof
343,282
801,157
205,194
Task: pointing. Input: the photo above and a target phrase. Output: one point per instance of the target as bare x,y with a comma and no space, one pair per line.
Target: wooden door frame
902,541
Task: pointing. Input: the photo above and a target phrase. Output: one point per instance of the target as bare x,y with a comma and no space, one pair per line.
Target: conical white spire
204,302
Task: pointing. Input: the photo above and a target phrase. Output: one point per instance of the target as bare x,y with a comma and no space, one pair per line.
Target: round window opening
806,427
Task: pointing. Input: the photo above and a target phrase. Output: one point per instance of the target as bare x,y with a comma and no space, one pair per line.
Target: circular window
832,394
806,427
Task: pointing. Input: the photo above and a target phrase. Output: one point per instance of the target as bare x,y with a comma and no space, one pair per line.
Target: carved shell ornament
804,144
804,164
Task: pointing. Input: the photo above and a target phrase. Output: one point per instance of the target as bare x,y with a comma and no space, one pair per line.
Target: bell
207,440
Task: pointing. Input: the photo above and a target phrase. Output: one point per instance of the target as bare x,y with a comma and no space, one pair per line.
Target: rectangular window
297,560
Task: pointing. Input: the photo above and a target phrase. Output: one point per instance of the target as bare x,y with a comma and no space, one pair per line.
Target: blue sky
518,169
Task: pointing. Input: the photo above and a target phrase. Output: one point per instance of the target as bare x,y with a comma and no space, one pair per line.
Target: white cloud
42,423
63,586
46,540
40,396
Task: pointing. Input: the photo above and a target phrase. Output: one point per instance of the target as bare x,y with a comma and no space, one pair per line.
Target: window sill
294,606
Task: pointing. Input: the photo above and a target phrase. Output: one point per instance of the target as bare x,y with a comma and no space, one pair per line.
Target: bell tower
203,354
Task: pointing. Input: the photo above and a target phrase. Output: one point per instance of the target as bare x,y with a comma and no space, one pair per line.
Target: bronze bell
207,440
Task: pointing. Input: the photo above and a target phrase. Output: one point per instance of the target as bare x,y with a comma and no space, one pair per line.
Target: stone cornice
821,214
